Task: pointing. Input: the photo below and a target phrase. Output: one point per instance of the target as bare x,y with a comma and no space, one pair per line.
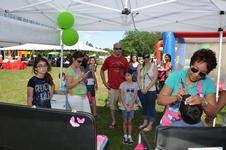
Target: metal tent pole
219,69
61,57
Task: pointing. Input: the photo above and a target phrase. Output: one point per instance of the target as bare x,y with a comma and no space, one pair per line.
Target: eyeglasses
79,61
201,74
130,90
146,57
42,66
117,48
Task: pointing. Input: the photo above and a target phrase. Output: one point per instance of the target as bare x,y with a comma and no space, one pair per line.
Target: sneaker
130,141
125,140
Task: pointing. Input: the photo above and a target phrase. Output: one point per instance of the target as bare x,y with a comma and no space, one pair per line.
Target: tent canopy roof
144,15
40,17
30,46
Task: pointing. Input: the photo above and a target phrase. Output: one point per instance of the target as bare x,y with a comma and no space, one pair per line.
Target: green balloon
70,37
65,20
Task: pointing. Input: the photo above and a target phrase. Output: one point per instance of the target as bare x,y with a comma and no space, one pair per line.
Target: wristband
204,103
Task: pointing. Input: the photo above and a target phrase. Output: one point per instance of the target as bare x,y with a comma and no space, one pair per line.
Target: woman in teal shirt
193,81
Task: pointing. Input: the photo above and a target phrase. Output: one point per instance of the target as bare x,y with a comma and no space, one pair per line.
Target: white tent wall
17,31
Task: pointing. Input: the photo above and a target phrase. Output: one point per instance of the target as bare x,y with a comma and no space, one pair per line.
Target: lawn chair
186,138
25,128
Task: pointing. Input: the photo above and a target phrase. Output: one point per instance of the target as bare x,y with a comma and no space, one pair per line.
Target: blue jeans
148,104
128,115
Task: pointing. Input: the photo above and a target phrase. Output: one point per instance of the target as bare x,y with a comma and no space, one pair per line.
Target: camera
190,114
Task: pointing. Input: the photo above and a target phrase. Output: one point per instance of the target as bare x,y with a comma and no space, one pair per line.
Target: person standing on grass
147,77
134,62
116,66
75,81
128,94
40,88
92,84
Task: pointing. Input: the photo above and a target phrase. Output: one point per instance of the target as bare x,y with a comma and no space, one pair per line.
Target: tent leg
218,70
61,58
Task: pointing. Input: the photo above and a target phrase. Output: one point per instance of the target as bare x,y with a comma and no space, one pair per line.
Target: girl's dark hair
48,76
131,58
207,56
130,71
92,57
169,56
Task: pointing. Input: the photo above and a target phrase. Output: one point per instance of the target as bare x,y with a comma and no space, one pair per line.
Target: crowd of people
185,94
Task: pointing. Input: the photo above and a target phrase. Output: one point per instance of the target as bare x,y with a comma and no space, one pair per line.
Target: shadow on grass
103,120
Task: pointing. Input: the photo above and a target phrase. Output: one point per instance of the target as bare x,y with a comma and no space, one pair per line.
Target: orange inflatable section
157,52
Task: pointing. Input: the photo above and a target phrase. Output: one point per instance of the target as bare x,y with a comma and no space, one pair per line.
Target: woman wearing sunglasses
75,81
146,79
193,81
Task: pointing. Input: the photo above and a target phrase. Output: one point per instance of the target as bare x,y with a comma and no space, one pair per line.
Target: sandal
147,129
142,126
112,126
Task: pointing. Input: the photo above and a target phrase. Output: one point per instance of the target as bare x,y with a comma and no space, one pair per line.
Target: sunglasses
117,48
79,61
146,57
201,74
130,90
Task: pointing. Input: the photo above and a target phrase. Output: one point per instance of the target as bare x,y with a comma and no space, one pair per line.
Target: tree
140,42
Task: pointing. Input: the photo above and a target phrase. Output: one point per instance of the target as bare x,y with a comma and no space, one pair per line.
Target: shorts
113,98
91,89
127,115
79,103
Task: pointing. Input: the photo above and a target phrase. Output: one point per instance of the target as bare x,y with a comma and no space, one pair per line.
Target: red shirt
116,67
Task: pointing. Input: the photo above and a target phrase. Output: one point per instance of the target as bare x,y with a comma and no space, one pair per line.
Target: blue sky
101,39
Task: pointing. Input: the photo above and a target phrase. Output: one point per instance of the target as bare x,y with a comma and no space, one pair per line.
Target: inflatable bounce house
181,46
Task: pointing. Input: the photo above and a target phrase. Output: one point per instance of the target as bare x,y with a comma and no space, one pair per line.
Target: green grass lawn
13,90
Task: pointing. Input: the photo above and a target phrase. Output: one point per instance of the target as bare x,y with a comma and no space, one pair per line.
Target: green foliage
140,42
110,51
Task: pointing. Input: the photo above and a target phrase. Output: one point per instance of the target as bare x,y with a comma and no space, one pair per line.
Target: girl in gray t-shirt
128,94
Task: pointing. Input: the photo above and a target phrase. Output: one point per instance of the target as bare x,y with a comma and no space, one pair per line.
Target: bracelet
204,103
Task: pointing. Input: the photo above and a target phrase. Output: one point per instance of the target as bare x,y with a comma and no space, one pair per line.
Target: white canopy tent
30,46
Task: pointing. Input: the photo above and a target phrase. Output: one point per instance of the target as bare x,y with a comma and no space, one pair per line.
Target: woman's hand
180,93
82,76
195,100
209,120
144,90
127,108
